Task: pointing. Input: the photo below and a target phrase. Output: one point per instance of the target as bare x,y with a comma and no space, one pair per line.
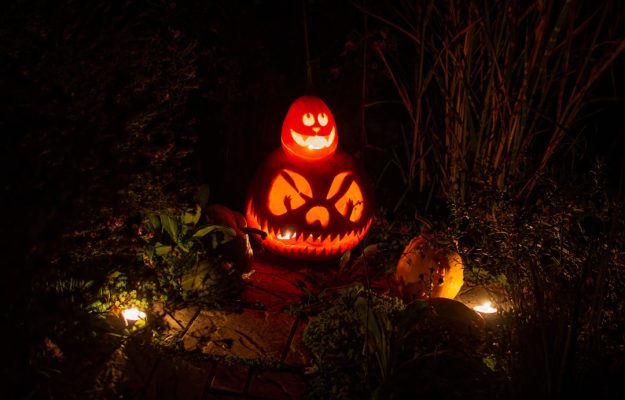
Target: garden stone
278,385
175,378
232,378
249,334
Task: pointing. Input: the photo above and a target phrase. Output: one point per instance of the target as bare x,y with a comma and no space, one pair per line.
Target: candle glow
485,308
133,314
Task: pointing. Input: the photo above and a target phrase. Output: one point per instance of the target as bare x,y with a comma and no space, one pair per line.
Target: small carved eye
308,119
323,119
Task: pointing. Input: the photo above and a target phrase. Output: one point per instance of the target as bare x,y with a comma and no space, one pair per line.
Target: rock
250,334
448,324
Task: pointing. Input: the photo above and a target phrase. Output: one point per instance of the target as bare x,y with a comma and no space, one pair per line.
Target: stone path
262,363
251,353
228,354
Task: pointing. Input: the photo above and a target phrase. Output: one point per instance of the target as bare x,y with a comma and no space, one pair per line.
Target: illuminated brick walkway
248,353
253,352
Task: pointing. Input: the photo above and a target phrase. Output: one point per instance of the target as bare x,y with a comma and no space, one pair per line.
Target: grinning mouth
314,142
304,243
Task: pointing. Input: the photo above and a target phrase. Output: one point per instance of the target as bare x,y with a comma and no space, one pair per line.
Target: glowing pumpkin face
309,131
310,210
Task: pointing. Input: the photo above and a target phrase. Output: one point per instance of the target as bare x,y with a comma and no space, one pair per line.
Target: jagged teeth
306,243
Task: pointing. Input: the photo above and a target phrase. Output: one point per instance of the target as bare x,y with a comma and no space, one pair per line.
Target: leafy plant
560,257
184,256
179,262
361,342
336,338
385,333
368,345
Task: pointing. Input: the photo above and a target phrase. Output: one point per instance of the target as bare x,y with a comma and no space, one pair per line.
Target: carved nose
316,129
318,213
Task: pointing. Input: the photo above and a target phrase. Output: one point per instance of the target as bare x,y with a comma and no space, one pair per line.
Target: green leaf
228,232
344,260
114,275
154,222
490,362
148,252
162,249
183,247
170,226
192,217
378,326
195,280
368,317
501,278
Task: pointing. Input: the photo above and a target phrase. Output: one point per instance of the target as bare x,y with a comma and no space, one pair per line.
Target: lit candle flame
133,314
286,235
485,308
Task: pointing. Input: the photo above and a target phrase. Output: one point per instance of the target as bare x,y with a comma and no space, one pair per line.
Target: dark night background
75,79
112,108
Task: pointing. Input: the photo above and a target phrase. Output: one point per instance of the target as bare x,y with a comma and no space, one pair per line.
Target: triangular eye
350,200
288,191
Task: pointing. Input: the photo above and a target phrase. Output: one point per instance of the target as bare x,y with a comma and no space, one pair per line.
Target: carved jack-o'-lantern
309,130
425,270
312,201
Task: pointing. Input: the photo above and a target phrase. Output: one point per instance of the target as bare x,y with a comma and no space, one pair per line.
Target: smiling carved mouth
314,142
324,245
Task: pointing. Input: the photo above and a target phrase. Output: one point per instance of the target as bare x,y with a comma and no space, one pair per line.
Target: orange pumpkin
309,131
425,270
312,201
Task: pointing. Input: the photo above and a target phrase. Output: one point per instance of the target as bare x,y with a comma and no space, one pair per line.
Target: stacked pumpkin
313,201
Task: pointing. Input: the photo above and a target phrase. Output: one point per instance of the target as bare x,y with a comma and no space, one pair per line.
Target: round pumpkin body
313,210
425,270
309,131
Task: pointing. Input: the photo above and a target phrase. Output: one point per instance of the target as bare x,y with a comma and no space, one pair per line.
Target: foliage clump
336,338
184,256
560,258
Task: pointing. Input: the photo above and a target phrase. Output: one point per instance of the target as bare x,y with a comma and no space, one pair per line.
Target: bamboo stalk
505,75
